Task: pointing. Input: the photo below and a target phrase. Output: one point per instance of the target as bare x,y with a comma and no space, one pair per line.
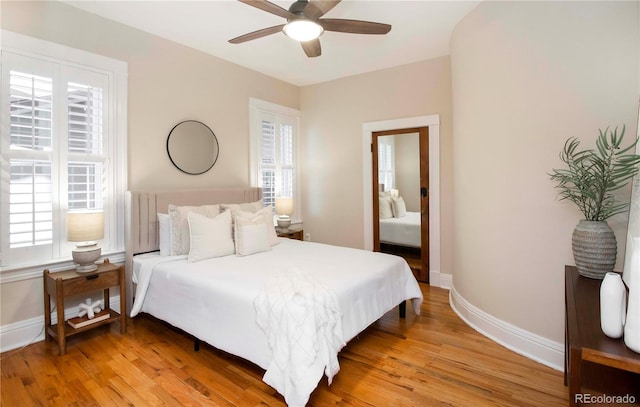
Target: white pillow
266,215
245,207
209,237
251,236
394,193
164,231
385,208
180,225
399,207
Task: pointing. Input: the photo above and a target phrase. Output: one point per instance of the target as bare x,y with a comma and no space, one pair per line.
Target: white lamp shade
284,206
85,226
303,30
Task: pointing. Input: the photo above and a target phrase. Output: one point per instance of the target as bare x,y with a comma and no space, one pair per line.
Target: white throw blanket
302,321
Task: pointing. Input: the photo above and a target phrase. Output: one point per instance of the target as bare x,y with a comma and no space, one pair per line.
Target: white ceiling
420,30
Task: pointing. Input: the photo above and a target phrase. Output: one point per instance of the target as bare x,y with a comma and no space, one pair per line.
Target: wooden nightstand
297,234
594,363
68,283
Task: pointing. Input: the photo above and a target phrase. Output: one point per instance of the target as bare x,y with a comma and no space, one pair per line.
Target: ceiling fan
305,25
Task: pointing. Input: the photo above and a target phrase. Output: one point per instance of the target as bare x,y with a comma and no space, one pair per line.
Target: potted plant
589,180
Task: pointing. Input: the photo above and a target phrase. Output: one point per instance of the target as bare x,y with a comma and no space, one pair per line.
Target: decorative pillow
180,225
385,208
266,215
209,237
399,207
164,232
245,207
394,193
251,236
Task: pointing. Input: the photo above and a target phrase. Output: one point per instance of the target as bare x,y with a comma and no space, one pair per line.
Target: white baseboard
28,331
525,343
441,280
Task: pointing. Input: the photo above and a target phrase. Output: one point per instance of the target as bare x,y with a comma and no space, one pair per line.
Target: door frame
433,123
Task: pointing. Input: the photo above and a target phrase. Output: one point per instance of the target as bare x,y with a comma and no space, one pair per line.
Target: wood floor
434,359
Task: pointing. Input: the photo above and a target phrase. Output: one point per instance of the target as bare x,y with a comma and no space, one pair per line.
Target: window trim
256,108
117,144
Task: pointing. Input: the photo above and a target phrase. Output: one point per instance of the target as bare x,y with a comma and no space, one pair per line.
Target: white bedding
213,299
404,231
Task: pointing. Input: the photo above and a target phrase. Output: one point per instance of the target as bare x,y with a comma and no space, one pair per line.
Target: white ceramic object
613,302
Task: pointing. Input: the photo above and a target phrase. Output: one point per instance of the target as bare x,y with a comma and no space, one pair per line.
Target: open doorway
400,186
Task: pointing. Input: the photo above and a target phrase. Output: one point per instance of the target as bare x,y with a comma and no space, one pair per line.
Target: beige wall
331,147
168,83
407,163
526,76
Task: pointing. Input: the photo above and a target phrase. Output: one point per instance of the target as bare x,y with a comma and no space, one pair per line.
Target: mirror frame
180,166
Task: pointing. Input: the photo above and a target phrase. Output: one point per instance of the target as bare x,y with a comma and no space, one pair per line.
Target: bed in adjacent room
286,305
402,231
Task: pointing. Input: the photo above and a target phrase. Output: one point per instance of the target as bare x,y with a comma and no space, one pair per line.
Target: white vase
613,303
632,325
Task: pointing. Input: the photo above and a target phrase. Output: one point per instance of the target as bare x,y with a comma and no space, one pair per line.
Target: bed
288,309
404,231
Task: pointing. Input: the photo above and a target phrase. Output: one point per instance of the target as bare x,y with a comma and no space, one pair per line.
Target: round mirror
192,147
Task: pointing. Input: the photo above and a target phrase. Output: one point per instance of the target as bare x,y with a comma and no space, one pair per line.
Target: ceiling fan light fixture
303,30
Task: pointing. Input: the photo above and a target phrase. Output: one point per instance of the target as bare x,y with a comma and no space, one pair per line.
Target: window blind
385,164
30,185
273,150
85,146
277,160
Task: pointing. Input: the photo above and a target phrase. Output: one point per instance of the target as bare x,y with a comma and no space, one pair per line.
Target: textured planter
594,248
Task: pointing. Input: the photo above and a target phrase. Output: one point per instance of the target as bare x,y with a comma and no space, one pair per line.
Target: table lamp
284,208
85,228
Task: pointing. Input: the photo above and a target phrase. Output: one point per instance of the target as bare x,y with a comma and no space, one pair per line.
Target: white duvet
220,301
404,231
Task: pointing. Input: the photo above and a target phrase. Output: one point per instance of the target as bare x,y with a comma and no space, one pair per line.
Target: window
274,132
63,140
386,164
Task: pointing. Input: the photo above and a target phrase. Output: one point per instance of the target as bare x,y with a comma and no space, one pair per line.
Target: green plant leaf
591,176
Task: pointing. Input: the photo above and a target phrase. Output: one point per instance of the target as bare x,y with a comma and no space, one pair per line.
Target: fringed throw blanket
302,321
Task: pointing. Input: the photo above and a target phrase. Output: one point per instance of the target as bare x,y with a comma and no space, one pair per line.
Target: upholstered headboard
141,220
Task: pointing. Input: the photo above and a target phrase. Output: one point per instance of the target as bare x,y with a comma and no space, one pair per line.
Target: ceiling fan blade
354,26
269,8
312,48
316,9
257,34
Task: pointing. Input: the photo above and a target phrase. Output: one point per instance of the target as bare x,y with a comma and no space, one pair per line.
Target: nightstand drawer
90,282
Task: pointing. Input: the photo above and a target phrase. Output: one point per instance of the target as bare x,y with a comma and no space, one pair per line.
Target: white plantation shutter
386,165
274,143
58,137
30,144
30,203
30,111
285,160
85,146
268,163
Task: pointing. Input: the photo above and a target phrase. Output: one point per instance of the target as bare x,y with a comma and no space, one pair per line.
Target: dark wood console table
594,363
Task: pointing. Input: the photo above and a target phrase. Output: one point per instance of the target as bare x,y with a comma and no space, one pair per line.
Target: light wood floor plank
434,359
